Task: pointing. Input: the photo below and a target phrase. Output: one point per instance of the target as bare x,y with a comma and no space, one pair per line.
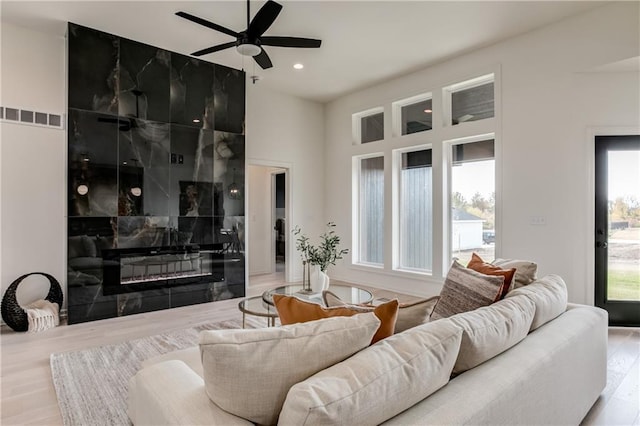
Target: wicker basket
12,312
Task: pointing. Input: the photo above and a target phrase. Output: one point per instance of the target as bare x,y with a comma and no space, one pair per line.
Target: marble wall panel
92,162
142,117
229,169
192,95
229,99
191,186
146,301
198,230
144,231
144,163
93,69
144,81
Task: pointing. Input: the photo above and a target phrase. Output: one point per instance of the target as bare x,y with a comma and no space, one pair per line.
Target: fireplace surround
155,139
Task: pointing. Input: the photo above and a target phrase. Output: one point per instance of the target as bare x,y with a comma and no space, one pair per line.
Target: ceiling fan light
248,49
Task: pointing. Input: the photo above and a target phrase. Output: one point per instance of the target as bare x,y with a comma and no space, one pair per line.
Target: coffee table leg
243,318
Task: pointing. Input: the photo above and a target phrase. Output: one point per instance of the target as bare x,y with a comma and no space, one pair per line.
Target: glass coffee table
346,293
256,306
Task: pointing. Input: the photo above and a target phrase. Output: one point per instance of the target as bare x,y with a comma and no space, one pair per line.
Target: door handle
602,244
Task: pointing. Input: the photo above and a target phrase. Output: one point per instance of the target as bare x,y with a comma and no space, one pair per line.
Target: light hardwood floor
28,398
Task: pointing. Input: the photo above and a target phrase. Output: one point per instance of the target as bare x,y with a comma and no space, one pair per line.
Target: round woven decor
13,314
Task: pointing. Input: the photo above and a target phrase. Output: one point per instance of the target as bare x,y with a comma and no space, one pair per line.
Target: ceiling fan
250,42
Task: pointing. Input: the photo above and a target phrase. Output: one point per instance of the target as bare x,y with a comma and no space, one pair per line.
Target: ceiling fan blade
290,42
214,49
263,19
263,60
207,24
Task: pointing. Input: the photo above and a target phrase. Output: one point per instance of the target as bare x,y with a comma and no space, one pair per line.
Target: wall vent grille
32,118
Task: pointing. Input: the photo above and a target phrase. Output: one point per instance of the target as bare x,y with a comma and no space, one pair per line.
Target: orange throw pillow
477,264
292,310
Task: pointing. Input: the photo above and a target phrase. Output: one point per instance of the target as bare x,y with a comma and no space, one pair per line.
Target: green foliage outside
477,206
623,285
625,209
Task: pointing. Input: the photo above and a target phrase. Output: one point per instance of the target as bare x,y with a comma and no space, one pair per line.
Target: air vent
30,117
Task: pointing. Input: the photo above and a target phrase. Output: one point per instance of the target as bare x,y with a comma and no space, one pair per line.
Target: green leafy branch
326,253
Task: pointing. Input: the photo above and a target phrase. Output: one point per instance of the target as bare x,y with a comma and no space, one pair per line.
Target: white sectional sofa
530,359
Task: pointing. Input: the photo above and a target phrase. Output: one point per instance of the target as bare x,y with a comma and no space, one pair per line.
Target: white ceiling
363,42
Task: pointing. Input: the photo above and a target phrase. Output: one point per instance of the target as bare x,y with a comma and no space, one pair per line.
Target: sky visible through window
624,174
475,177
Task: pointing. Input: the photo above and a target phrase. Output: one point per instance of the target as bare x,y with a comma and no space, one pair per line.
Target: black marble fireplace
155,178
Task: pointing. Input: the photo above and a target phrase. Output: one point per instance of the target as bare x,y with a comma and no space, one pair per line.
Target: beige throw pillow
379,382
409,314
525,271
465,290
491,330
249,372
549,295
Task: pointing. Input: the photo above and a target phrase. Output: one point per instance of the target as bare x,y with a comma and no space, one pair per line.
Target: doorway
269,211
617,228
279,217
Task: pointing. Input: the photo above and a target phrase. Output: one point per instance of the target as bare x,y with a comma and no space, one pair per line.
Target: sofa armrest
171,393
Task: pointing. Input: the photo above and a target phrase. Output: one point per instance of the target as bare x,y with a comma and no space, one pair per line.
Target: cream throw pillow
525,271
491,330
549,295
379,382
249,372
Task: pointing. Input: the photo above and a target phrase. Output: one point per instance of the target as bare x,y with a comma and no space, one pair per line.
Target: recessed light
195,120
428,111
298,66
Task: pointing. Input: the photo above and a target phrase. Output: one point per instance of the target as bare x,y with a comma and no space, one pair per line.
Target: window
371,211
471,100
437,200
372,128
416,117
473,200
368,126
416,210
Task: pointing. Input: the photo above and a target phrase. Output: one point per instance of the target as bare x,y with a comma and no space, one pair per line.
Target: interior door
617,228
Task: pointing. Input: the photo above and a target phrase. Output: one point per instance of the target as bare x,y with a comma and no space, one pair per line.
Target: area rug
92,384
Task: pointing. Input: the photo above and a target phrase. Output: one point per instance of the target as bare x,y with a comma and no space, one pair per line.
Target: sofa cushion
190,356
465,290
477,264
525,271
491,330
292,310
409,314
379,382
549,295
249,372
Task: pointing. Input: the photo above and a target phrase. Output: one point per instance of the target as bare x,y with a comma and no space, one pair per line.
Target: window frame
397,210
356,259
396,113
448,153
356,125
448,91
438,139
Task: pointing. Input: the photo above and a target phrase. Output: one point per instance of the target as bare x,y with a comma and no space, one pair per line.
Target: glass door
617,228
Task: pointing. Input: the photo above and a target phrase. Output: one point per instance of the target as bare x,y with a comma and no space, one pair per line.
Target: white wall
33,226
288,132
32,163
546,108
